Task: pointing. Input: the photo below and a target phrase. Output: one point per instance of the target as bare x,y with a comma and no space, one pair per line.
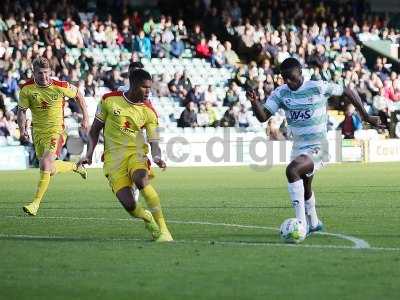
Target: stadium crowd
247,38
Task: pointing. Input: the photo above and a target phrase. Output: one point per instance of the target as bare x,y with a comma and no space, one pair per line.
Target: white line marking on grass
238,243
358,243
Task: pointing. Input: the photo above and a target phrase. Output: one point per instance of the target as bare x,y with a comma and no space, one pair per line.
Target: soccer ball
293,231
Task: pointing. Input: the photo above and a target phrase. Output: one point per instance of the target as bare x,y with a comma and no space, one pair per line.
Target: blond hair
40,62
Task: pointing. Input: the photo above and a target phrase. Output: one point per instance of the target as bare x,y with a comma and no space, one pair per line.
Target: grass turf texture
97,252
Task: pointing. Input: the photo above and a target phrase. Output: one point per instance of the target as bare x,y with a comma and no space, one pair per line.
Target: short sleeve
70,90
23,101
151,125
273,103
329,89
101,112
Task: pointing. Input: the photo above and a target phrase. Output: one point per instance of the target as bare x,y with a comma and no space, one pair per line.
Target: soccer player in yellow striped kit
124,116
45,98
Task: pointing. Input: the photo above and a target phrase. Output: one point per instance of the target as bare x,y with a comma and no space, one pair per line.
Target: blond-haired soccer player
45,98
124,116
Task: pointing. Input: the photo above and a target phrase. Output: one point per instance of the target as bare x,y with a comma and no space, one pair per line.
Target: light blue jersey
305,110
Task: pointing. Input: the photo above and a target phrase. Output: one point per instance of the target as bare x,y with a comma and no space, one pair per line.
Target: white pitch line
238,243
358,243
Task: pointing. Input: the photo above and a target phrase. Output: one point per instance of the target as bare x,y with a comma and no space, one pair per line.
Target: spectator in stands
195,95
212,115
177,47
157,48
142,45
179,87
99,35
3,29
90,86
5,126
381,107
316,74
210,96
203,50
347,40
232,94
243,120
326,74
351,123
59,49
9,86
149,25
232,59
188,116
203,119
160,86
2,105
113,79
180,30
380,69
196,35
73,36
230,117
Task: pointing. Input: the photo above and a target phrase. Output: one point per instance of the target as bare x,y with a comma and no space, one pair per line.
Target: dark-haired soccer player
45,98
135,65
305,103
124,116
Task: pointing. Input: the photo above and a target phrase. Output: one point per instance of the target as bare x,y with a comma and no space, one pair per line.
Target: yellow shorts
119,174
52,143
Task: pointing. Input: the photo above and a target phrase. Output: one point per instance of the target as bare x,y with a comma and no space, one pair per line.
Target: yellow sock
153,203
42,186
140,213
64,166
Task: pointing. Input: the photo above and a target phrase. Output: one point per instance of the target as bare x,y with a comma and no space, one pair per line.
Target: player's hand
375,121
24,136
160,163
252,96
87,160
85,124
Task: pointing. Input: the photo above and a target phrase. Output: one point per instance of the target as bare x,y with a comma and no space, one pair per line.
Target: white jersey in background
306,112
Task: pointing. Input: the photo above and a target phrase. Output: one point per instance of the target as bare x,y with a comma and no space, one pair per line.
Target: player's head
134,66
41,71
291,73
140,83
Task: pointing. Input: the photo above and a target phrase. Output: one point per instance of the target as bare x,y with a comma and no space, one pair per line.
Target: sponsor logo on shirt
297,115
127,128
44,105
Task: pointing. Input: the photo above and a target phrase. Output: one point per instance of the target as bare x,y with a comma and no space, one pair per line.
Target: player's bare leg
295,171
127,200
46,165
141,180
311,213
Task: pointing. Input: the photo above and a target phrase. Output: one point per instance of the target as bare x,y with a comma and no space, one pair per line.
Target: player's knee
126,199
46,164
129,205
307,194
141,182
292,173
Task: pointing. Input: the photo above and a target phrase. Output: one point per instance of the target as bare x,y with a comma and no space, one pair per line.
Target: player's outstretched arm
94,134
355,99
156,155
259,110
21,119
82,105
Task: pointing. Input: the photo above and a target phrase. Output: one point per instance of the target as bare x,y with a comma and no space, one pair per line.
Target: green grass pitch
83,245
